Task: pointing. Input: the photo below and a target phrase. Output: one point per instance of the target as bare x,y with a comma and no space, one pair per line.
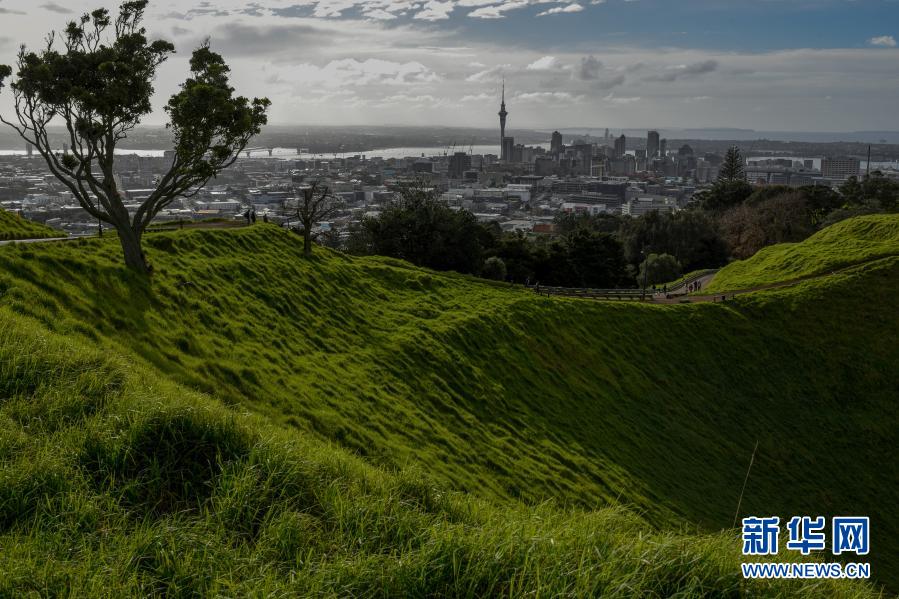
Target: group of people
694,286
250,215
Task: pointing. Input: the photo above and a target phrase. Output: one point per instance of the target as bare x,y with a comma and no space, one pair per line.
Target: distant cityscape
521,186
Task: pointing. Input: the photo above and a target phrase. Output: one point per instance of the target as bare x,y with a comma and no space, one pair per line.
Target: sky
770,65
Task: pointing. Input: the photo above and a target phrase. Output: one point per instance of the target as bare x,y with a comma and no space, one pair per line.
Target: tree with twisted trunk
99,85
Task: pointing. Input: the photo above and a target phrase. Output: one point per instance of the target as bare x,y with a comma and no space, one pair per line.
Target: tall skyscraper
502,126
458,164
555,145
29,149
652,144
663,148
620,146
508,149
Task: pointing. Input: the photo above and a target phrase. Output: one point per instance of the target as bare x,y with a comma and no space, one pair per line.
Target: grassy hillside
116,482
483,388
13,226
848,242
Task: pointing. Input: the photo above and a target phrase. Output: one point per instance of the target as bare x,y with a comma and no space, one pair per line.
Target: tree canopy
732,168
99,85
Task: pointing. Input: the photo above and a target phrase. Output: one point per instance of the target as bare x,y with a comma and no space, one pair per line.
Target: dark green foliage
569,222
417,226
658,269
875,191
732,167
689,235
724,194
494,268
582,258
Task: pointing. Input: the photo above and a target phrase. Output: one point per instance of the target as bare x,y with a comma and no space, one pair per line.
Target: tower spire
502,124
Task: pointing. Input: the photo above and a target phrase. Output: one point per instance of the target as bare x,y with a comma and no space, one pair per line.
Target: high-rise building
652,144
620,146
29,149
607,137
555,145
458,164
663,148
507,149
502,126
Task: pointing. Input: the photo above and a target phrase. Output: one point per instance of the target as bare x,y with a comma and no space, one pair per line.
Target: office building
841,167
652,144
620,146
555,145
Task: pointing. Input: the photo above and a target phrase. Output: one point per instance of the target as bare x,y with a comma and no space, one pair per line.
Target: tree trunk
131,247
307,242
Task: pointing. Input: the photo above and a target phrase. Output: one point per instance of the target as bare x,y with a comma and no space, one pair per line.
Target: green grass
843,244
251,421
13,226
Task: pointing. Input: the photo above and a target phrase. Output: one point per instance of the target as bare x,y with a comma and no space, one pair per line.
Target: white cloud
568,8
616,101
496,11
435,10
542,64
544,97
883,41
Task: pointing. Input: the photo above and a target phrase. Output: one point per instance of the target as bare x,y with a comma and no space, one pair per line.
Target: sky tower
502,125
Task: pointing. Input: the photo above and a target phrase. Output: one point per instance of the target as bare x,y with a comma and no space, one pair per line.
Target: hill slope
487,389
115,482
845,243
13,226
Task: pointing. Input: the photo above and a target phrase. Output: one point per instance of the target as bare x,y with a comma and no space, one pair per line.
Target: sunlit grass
846,243
13,226
196,434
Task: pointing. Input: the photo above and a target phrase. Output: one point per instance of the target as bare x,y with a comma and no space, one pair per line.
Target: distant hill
250,422
843,244
13,226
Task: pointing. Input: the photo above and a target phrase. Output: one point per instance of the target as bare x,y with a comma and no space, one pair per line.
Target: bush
494,268
657,269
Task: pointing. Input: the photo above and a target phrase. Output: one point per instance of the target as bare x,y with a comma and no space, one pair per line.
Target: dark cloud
268,40
690,70
56,8
589,69
9,11
609,83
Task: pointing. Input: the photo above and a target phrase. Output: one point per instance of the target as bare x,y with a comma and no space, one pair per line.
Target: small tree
732,168
99,86
658,268
313,205
494,268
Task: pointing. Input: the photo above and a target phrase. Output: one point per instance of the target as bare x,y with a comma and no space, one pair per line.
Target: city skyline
816,65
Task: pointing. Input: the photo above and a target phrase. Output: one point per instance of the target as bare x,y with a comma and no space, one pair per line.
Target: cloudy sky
797,65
